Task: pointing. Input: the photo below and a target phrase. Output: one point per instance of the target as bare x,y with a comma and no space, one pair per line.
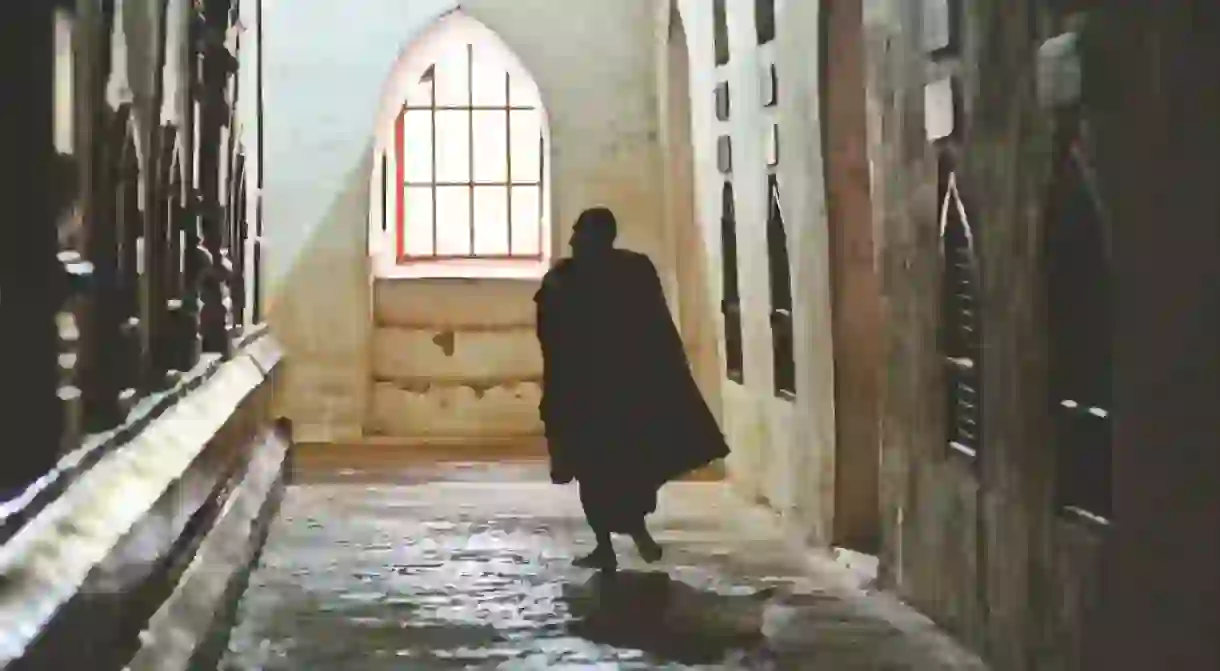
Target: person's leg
602,556
650,551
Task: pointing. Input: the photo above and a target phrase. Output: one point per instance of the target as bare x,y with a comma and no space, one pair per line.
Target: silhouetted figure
622,411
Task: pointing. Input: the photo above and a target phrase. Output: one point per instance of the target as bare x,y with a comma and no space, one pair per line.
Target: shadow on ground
665,618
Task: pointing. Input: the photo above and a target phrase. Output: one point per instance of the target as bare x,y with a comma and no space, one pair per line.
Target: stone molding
127,502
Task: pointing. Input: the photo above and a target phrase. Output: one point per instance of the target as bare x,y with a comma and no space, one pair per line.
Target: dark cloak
622,410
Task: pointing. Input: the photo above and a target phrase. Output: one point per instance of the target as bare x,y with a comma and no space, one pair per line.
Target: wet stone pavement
468,566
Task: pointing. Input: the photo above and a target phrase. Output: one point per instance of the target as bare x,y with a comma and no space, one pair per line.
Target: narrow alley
468,565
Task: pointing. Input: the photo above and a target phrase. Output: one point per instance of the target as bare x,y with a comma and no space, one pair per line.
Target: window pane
417,146
490,81
453,221
453,77
522,92
417,220
527,226
526,133
490,221
452,146
490,147
419,93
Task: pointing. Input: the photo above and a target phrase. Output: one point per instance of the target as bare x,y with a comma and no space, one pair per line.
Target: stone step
386,459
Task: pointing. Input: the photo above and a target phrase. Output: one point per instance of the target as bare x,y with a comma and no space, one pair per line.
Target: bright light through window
469,148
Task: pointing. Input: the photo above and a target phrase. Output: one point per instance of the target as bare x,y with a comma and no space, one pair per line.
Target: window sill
960,449
1082,517
472,269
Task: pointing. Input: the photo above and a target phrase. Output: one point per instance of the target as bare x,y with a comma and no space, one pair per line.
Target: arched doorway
693,302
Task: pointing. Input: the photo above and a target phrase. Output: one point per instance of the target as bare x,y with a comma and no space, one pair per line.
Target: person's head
594,232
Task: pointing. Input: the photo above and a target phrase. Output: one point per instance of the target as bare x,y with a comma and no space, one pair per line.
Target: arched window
731,304
1080,322
128,259
960,335
781,294
469,152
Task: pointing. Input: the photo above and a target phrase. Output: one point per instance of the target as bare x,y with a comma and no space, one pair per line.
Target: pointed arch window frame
509,108
780,279
730,303
961,352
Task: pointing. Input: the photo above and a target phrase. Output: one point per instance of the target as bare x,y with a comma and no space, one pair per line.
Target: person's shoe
650,551
600,558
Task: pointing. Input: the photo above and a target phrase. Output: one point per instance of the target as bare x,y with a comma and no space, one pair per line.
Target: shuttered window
960,324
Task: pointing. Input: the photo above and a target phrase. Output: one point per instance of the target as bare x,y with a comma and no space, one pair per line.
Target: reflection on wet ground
469,567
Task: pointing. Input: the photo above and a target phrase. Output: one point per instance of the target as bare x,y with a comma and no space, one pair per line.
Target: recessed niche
724,154
772,143
938,25
722,101
720,34
764,20
940,109
770,86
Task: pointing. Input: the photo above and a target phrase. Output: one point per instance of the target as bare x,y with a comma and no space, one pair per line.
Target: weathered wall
323,97
147,578
975,543
455,359
1158,148
855,279
782,449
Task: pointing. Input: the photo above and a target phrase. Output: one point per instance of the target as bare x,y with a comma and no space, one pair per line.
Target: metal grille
960,323
477,223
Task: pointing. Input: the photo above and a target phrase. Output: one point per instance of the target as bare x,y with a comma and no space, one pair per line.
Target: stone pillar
30,275
218,63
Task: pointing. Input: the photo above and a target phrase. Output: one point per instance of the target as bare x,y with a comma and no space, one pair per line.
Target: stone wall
978,543
455,359
783,448
139,559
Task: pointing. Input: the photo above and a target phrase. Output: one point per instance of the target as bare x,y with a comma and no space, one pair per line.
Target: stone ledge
182,624
381,457
109,540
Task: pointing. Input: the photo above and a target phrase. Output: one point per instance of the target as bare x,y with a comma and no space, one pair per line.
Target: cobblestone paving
469,567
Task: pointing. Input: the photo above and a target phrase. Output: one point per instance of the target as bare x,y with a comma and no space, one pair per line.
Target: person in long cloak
622,411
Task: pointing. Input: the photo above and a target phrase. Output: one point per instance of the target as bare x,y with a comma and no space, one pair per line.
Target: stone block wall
455,359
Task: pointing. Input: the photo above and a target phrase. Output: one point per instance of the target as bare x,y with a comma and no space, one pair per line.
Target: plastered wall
322,102
373,357
783,450
466,365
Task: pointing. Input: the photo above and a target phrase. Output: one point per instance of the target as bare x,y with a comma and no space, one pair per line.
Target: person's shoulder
637,261
553,277
556,272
